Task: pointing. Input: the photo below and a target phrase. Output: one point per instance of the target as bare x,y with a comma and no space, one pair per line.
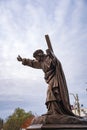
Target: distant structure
26,123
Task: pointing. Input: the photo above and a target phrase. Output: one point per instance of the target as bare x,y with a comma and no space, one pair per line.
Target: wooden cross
48,42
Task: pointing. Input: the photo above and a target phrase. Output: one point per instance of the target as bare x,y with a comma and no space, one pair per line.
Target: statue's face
38,58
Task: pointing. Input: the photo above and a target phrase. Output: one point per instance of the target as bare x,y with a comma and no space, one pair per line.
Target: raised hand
19,58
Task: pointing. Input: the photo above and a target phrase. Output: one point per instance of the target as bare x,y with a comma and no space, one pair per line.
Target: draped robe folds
55,78
57,93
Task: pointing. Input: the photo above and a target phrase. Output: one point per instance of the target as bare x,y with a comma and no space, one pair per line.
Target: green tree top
15,121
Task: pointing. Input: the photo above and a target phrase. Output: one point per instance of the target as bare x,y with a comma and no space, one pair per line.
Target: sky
23,26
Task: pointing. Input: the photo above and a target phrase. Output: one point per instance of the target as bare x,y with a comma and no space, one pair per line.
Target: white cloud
23,25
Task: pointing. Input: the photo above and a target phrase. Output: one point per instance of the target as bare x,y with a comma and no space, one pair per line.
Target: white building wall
83,112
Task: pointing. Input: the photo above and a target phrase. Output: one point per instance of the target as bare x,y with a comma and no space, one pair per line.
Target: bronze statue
57,100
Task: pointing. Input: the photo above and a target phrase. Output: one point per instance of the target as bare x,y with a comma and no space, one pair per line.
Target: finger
19,56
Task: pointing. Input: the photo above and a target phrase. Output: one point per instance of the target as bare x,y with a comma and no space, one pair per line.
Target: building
81,112
26,123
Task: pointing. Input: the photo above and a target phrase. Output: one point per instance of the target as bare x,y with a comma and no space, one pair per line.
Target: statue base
58,122
57,127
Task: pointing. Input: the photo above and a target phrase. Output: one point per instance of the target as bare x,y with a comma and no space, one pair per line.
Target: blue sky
23,24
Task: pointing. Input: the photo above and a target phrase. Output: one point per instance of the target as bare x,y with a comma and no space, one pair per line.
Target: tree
16,119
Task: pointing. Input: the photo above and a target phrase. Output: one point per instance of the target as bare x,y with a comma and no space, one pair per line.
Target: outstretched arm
29,62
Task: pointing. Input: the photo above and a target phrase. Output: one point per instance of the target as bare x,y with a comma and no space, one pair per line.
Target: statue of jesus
57,100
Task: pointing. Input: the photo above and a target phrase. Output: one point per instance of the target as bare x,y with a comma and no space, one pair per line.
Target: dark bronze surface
57,100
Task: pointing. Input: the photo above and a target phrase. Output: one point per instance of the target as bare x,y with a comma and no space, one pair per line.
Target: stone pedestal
58,122
57,127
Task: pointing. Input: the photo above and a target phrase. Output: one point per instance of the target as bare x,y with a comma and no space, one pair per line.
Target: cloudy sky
23,24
